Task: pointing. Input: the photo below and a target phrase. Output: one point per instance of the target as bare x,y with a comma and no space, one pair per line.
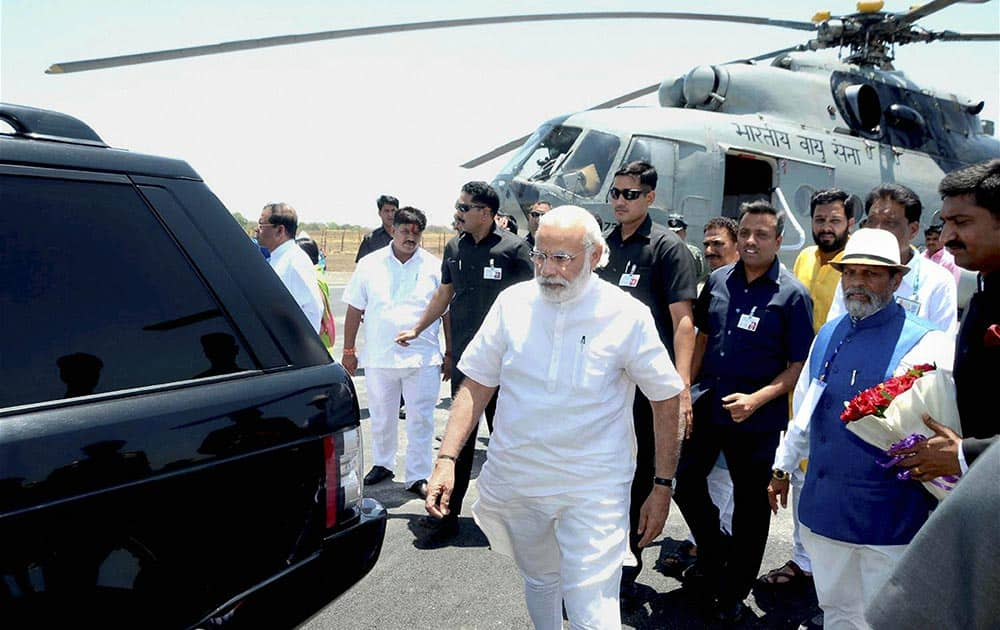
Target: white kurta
393,295
296,271
566,373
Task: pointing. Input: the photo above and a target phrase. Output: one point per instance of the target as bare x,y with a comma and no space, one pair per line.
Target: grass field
341,246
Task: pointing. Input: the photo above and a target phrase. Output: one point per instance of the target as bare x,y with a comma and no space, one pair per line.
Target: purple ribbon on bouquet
909,442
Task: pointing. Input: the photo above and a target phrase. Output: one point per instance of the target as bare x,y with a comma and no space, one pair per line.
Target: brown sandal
787,575
674,562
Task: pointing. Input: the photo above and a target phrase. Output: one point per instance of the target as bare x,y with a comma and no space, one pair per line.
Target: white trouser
720,489
847,576
569,548
799,554
420,388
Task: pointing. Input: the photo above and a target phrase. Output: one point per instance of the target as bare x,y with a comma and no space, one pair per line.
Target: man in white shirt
276,231
566,352
927,290
391,287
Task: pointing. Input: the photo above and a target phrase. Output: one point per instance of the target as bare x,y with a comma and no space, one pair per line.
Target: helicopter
731,132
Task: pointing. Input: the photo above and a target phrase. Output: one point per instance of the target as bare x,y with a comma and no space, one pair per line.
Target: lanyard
916,276
826,366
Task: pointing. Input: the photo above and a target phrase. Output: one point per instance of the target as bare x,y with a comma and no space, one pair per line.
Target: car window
97,297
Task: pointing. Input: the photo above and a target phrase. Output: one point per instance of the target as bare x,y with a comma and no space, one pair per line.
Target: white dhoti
419,387
799,554
569,548
847,576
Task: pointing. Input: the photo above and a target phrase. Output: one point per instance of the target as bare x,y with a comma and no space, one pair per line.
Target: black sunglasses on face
465,207
630,194
535,214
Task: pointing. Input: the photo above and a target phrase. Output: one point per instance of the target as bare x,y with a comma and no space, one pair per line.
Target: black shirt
378,239
977,355
664,266
741,360
463,266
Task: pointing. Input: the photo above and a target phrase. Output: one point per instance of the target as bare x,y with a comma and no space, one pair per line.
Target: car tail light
342,455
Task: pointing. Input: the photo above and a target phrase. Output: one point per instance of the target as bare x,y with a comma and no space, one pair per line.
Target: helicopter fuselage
728,134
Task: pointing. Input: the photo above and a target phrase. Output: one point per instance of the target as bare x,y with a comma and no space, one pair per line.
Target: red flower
992,336
875,400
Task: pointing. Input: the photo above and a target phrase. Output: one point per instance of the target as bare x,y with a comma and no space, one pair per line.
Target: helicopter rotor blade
507,147
618,100
948,36
495,153
768,55
924,10
285,40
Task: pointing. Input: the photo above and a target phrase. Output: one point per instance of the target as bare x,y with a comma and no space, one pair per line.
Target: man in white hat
856,516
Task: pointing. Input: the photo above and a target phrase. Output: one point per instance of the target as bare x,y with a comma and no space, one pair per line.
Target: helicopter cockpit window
588,164
539,156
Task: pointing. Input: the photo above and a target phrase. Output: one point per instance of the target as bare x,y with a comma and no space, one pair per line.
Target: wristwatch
779,474
664,481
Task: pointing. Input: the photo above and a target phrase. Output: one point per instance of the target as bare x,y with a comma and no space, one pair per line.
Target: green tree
242,220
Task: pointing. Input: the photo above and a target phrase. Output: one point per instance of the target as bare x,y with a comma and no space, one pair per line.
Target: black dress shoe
731,614
419,488
440,536
378,474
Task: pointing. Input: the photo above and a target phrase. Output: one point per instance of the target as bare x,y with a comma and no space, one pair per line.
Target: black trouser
642,481
463,467
733,567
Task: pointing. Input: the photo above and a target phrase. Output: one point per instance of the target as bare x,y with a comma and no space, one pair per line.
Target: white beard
860,310
561,290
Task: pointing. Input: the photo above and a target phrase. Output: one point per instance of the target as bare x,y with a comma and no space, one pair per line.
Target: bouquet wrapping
891,414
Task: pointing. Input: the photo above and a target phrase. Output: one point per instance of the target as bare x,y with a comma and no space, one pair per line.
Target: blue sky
329,126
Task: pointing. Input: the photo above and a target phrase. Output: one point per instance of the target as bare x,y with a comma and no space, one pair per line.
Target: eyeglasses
560,258
261,226
535,214
465,207
630,194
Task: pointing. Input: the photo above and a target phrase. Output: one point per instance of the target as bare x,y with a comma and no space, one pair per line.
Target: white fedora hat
871,247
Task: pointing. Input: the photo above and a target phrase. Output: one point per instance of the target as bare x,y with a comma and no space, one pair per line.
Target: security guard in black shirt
382,235
477,265
655,266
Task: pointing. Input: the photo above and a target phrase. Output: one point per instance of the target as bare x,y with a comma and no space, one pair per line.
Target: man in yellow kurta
832,212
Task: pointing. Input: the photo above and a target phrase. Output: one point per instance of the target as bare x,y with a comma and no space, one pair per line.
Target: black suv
177,449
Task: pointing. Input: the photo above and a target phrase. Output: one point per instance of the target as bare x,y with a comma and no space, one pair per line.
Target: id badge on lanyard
492,273
748,322
629,278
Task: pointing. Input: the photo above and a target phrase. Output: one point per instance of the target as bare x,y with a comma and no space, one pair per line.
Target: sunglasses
630,194
535,214
465,207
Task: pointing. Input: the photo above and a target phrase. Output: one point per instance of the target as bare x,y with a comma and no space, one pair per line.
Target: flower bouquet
890,415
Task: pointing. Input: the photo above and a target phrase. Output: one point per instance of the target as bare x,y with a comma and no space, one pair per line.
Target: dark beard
837,245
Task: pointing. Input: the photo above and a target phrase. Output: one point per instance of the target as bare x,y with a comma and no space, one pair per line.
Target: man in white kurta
276,231
566,351
391,287
927,290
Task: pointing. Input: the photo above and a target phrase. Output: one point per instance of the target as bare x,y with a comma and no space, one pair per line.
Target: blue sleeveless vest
847,495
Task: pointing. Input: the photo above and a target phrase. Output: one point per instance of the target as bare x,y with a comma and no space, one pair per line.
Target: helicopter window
538,157
662,155
747,179
585,169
